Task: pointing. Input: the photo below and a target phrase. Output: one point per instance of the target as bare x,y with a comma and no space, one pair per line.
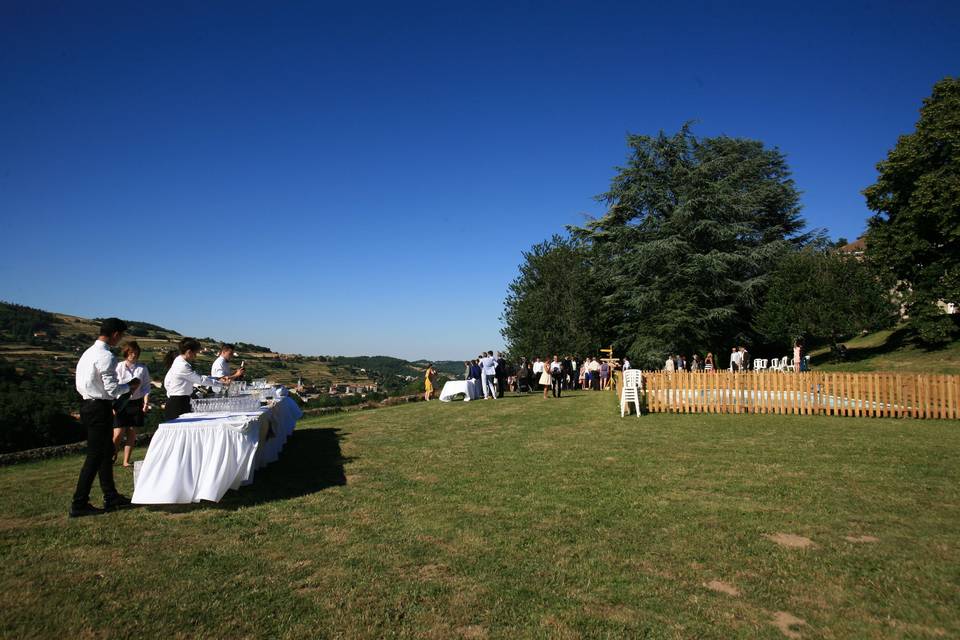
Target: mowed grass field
520,518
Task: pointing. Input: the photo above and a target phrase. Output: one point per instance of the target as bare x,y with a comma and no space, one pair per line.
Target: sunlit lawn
513,519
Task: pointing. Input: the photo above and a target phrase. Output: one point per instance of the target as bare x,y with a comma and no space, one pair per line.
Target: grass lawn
894,351
520,518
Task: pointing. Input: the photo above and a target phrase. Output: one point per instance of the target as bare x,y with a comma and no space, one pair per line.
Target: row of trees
703,247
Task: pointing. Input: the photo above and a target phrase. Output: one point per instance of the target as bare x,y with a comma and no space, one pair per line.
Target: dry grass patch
788,624
790,540
722,587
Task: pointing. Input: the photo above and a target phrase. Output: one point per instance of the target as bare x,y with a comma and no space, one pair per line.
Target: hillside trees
823,295
553,307
915,232
693,229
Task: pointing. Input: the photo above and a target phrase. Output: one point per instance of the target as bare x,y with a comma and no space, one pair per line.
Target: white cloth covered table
200,456
469,388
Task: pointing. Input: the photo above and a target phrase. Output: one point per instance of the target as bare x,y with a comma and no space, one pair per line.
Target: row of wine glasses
217,405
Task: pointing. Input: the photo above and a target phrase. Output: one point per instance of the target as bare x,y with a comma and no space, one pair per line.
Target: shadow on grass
897,340
311,461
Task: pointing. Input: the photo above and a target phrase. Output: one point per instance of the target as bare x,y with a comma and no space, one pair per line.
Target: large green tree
693,229
915,232
823,295
553,307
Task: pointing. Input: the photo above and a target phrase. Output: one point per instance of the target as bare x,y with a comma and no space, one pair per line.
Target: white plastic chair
632,380
786,365
760,364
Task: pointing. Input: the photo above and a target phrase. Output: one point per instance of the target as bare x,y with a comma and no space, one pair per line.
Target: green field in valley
520,518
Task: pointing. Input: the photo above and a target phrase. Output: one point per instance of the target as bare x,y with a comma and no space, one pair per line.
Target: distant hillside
34,339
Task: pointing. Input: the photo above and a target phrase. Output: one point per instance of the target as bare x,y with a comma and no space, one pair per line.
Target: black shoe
116,502
84,510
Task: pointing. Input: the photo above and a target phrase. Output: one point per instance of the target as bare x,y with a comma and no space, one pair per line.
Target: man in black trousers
97,384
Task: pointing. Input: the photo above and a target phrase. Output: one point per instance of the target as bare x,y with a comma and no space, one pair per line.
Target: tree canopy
823,295
694,227
915,232
553,305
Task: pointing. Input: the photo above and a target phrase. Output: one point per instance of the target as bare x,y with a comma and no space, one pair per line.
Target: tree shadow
897,340
311,461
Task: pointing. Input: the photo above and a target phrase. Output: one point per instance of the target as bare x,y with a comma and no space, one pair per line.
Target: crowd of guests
495,375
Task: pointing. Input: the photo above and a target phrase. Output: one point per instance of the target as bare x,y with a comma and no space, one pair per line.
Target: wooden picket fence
888,395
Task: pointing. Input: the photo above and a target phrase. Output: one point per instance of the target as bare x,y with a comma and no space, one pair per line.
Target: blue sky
328,179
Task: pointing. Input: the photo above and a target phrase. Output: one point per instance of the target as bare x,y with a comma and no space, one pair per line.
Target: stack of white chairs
786,367
632,381
760,364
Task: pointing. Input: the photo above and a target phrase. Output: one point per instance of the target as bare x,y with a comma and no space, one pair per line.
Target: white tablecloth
467,387
200,456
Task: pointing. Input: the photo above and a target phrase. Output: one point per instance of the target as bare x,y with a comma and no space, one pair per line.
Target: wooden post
951,399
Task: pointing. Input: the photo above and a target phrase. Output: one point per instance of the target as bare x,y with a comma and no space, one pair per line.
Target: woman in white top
546,379
130,416
181,379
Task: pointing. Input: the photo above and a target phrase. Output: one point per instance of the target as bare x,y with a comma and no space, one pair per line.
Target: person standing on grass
488,372
708,362
500,371
429,378
556,375
130,417
594,374
604,375
797,355
669,365
97,384
546,380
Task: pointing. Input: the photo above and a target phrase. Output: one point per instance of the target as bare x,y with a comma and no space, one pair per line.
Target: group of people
739,361
495,375
115,398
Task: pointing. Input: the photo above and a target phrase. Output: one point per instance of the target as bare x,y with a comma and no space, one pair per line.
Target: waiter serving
181,379
221,366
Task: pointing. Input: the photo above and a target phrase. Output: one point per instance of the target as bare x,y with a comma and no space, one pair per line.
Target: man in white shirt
97,384
736,360
221,366
488,371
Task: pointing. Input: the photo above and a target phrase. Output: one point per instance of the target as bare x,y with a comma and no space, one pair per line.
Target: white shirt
181,379
555,366
489,365
126,373
626,364
96,377
538,367
220,368
573,365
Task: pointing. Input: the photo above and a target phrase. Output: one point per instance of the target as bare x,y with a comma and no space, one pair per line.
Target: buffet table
200,456
469,388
